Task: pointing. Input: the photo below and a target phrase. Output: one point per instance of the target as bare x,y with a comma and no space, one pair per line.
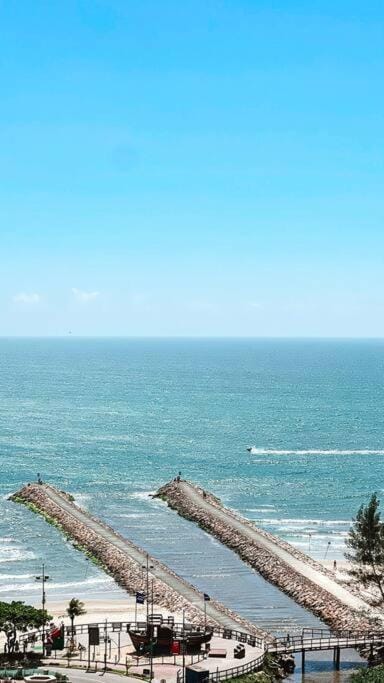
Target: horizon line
190,337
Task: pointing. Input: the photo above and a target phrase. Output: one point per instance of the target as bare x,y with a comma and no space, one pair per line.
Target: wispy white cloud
27,298
83,296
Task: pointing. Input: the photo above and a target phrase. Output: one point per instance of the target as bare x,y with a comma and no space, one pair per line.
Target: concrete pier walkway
301,577
158,570
255,536
88,531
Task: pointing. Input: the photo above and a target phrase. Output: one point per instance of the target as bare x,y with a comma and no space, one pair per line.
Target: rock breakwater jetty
299,576
124,560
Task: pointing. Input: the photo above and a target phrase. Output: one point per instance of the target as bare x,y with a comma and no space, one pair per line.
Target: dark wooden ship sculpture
163,636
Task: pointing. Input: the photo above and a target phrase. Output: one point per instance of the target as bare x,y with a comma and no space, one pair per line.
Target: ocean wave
303,522
141,495
81,499
13,554
134,515
313,537
319,546
92,581
261,507
16,576
299,532
315,451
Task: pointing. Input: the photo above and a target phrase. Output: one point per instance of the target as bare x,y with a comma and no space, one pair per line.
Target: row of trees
17,617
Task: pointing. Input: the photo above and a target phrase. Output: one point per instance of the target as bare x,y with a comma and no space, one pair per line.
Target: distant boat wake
313,451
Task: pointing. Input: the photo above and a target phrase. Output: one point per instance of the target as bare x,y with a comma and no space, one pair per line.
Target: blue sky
191,168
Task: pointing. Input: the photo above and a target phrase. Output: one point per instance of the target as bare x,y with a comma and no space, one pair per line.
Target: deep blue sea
110,420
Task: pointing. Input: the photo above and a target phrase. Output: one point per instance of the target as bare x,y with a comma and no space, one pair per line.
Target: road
159,571
83,676
254,536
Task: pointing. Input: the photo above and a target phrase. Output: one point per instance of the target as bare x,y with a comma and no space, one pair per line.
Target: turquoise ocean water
110,420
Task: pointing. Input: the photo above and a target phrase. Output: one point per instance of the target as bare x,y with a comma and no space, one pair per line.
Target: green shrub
374,675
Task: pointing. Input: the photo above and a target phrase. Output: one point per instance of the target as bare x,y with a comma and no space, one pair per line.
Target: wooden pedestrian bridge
310,640
314,640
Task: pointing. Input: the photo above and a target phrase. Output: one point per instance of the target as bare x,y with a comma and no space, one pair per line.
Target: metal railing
321,639
339,633
125,626
234,672
310,640
179,628
240,636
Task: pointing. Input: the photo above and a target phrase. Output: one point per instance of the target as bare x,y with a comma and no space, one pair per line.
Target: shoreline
100,609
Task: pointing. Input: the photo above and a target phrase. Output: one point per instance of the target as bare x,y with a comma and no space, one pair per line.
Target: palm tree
75,609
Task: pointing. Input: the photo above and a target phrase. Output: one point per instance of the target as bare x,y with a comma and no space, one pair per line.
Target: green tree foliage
75,609
366,546
17,616
375,675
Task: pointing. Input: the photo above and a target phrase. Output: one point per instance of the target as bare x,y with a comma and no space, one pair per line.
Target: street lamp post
147,567
43,578
152,599
153,633
183,644
105,644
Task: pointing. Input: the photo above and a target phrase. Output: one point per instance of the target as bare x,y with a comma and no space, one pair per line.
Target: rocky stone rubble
306,593
126,571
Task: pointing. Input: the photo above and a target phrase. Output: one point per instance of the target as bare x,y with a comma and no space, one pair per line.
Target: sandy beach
98,610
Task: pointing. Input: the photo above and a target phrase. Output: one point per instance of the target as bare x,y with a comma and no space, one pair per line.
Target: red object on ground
175,649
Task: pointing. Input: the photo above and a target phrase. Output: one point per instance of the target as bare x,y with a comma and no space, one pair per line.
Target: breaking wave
14,554
315,451
16,576
303,521
29,587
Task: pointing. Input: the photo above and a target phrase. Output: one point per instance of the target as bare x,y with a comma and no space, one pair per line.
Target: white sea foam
81,499
93,581
141,495
305,532
12,554
134,515
315,451
303,522
16,576
261,507
318,546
